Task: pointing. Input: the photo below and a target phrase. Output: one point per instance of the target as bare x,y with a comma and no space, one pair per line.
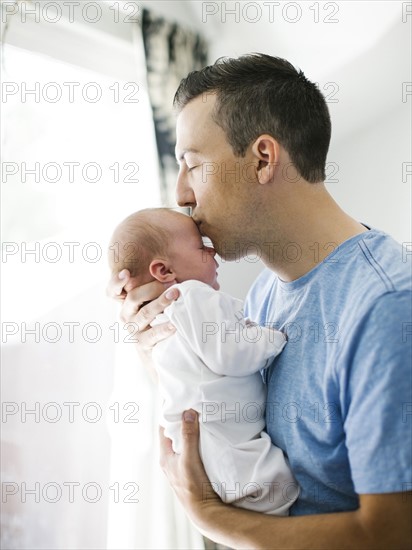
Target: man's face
216,184
189,257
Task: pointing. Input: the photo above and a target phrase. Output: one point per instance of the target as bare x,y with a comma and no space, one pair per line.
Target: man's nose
184,193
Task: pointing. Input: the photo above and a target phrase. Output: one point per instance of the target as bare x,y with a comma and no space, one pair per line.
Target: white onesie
211,364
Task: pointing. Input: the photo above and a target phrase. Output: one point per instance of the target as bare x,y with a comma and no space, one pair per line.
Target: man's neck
312,228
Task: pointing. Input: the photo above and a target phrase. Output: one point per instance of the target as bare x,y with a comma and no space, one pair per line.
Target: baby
211,363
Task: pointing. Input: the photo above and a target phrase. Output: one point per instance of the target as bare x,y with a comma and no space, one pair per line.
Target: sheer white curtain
79,428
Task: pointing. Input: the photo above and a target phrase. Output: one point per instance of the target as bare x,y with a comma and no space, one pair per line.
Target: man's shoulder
364,270
358,272
385,260
373,257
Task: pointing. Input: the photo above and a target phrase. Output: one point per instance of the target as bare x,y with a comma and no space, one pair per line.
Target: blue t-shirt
339,398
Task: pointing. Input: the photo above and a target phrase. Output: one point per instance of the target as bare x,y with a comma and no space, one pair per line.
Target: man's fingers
190,433
150,337
161,332
185,471
138,317
130,306
147,313
166,448
192,464
115,288
137,296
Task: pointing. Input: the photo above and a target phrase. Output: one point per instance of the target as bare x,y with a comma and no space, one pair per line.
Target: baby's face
189,257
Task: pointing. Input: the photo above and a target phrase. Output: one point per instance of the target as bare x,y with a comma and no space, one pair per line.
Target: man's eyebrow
183,153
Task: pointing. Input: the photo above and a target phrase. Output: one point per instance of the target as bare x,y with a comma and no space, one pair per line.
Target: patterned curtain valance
171,53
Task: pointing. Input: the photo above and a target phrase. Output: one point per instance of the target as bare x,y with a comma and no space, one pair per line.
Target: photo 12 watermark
239,172
69,11
406,11
70,412
292,412
69,172
68,332
251,491
69,92
53,492
53,252
270,12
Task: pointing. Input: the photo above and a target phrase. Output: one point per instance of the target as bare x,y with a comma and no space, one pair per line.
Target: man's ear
162,271
267,151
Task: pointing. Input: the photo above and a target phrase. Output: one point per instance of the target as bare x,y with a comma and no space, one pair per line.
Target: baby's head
164,245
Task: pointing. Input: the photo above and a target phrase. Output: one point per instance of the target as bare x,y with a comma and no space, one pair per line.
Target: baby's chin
216,285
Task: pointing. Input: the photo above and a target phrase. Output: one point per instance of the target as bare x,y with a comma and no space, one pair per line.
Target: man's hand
382,522
185,471
140,306
119,285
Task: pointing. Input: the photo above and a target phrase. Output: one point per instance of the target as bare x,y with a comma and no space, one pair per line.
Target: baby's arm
213,325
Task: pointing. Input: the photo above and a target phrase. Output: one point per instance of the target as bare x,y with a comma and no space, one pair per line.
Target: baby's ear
161,270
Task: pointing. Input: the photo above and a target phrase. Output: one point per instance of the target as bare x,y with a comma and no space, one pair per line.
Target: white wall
372,187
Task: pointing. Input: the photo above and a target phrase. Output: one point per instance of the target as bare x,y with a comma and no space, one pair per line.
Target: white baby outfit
211,364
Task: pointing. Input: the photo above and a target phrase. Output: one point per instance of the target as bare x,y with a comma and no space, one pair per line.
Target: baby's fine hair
137,240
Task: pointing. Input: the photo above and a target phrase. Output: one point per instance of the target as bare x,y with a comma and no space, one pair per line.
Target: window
78,155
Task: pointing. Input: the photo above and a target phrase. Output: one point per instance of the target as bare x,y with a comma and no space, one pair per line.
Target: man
252,139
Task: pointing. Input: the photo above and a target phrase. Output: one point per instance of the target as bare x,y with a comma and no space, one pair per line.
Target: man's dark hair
260,94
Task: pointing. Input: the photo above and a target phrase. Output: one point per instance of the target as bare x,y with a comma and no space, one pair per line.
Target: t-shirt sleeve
378,399
214,326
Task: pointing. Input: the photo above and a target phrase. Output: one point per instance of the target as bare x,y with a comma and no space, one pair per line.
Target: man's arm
381,522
